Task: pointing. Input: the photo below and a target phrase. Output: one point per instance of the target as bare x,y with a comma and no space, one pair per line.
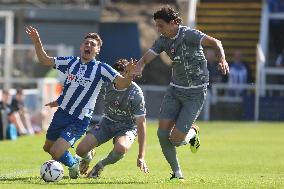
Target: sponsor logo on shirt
80,80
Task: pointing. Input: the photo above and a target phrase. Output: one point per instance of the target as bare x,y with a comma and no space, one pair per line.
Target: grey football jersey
123,105
188,60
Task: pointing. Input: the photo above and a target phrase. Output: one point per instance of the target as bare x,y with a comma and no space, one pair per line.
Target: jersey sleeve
138,105
157,47
108,73
63,63
194,36
61,77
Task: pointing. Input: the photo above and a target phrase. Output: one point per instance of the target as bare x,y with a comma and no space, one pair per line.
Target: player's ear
99,50
172,22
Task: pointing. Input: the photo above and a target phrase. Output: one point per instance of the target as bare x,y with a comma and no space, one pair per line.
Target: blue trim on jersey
88,95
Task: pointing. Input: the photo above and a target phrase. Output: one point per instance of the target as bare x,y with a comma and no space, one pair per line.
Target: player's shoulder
136,88
192,31
100,62
187,29
103,64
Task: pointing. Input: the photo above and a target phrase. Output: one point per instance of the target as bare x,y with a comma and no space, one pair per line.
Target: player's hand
139,69
52,104
224,67
142,165
131,67
33,34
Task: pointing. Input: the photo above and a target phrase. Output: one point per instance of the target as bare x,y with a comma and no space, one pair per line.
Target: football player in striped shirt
123,119
84,78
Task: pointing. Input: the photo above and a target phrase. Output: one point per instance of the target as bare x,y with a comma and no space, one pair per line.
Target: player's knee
46,148
55,154
163,134
117,155
121,148
81,151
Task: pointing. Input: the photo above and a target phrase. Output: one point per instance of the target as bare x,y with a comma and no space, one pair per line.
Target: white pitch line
17,173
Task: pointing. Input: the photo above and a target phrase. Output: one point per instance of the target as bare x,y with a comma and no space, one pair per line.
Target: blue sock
67,159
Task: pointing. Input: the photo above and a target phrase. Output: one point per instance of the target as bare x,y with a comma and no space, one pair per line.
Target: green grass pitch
232,155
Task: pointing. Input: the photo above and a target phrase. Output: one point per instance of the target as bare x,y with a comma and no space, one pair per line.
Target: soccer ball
51,171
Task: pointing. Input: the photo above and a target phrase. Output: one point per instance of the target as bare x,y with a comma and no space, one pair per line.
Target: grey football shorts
183,106
107,129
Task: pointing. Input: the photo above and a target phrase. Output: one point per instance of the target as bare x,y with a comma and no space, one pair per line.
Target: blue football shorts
66,126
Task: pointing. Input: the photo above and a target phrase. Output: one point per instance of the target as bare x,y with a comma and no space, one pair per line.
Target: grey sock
168,149
112,158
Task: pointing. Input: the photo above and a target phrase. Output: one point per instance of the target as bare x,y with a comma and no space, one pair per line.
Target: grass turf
232,155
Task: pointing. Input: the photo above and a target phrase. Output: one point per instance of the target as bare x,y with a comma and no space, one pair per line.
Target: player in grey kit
123,119
186,93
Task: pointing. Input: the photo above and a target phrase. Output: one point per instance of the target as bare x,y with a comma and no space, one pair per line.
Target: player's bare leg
85,149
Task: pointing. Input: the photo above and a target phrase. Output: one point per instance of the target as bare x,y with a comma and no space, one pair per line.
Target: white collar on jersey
179,27
113,85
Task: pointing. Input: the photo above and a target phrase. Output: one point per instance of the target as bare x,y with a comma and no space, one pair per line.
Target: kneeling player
123,119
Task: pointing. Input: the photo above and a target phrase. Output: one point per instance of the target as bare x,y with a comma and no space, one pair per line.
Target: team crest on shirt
82,70
116,103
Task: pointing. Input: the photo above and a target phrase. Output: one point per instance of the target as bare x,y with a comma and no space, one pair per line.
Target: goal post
8,43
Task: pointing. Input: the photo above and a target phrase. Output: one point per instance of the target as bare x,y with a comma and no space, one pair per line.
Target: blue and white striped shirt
82,84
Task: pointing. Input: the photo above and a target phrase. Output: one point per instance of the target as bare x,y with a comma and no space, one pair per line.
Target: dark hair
94,36
168,14
120,65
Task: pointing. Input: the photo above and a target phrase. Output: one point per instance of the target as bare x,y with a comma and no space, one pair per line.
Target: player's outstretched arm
40,52
146,59
141,129
52,104
222,65
122,82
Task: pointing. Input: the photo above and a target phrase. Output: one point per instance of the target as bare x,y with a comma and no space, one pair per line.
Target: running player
186,93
